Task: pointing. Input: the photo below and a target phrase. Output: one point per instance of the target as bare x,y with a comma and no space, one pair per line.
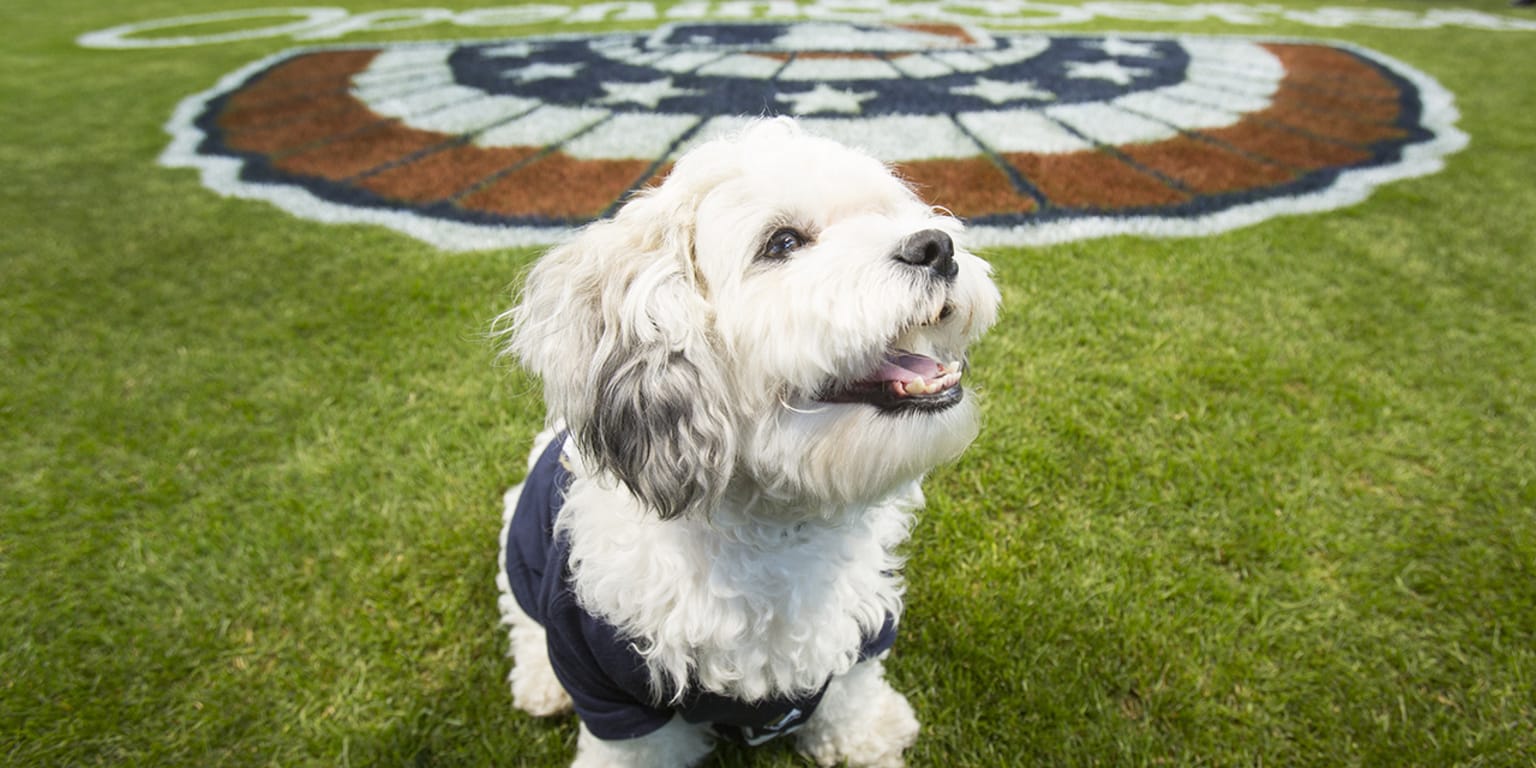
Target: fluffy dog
747,371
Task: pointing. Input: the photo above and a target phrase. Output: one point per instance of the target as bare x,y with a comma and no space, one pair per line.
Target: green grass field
1266,497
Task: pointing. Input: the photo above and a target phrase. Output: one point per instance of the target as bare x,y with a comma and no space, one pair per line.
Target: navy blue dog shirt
598,666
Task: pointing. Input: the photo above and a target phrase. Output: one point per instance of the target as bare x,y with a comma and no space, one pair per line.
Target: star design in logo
824,98
510,50
1113,71
540,70
1118,46
648,94
999,91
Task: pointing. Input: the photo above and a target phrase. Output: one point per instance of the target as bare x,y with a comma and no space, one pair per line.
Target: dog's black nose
932,249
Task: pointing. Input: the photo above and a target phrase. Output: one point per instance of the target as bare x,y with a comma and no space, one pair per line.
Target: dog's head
781,317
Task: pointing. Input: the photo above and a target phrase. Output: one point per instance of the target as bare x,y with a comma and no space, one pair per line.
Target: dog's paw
537,692
893,728
867,725
678,744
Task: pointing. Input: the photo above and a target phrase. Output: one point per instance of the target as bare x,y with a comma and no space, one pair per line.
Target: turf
1252,499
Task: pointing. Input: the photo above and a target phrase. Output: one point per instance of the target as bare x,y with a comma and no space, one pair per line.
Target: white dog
747,370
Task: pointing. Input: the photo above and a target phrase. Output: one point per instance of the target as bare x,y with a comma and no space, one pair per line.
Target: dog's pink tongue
905,367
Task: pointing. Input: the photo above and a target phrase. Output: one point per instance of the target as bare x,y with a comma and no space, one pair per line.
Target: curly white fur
725,513
748,606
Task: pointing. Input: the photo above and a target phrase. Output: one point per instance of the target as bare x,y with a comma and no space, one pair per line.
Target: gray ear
618,329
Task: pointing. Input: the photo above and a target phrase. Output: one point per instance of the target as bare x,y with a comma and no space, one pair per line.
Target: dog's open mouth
905,381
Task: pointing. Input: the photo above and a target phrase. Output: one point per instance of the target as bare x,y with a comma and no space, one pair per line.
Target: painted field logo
1032,138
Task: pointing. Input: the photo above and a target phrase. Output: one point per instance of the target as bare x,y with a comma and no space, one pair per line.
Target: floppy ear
617,326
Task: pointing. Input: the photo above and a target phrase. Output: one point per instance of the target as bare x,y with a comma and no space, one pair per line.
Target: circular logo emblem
1031,138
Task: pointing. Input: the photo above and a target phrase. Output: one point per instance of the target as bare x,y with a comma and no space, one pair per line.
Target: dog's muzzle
907,381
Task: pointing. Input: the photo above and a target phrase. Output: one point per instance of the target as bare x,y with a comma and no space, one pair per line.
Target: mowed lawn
1266,497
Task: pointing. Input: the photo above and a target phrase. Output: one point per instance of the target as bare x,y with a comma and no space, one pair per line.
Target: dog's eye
782,243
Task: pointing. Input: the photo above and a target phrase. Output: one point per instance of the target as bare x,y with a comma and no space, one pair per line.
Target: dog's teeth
918,386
